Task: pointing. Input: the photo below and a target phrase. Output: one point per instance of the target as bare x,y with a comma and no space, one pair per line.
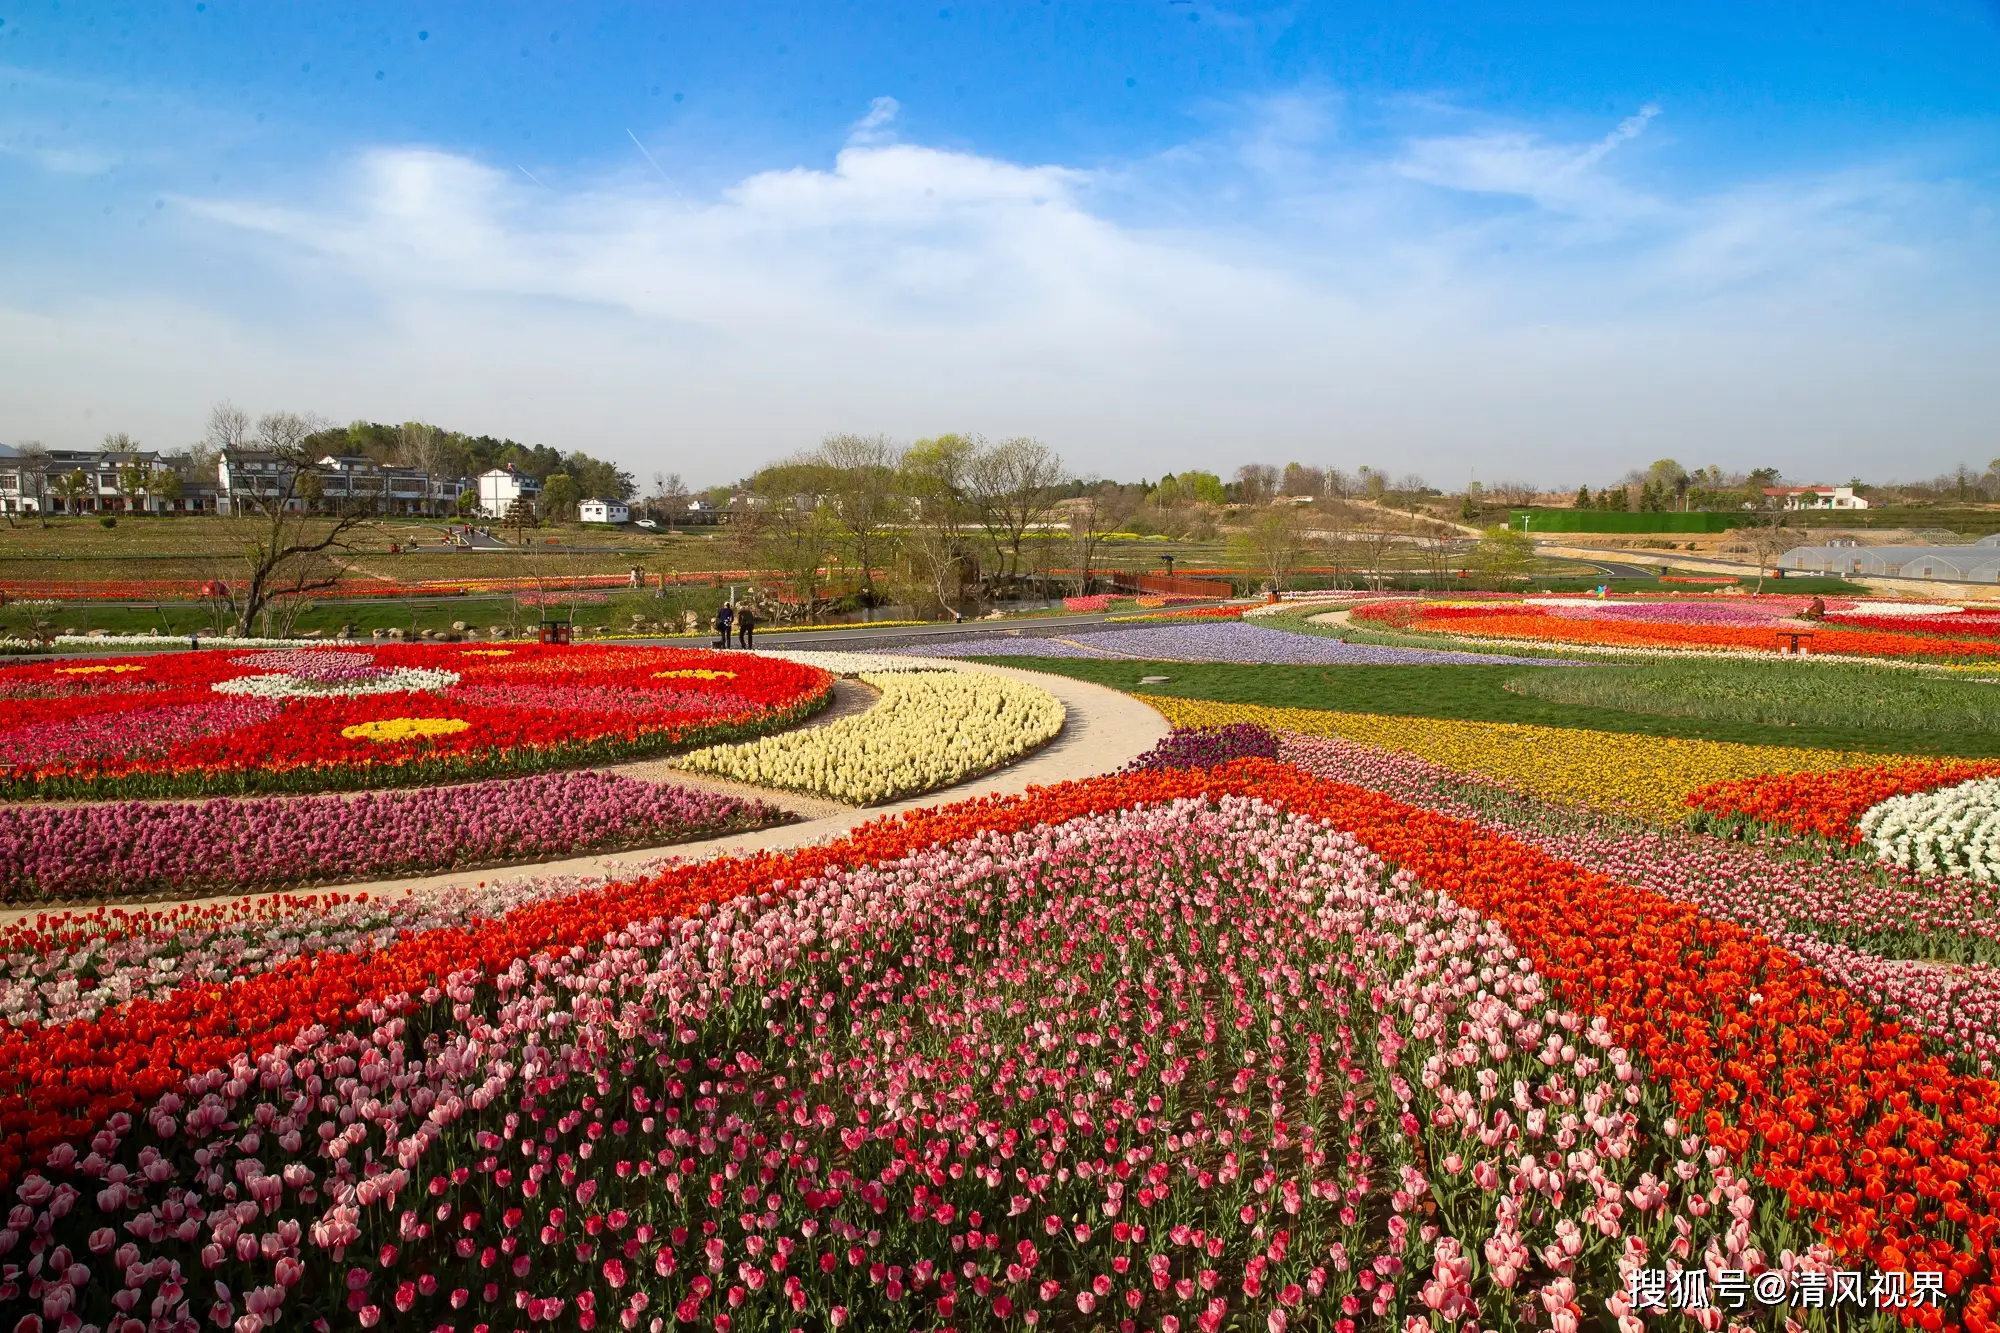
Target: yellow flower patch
694,673
115,668
390,729
1649,776
489,652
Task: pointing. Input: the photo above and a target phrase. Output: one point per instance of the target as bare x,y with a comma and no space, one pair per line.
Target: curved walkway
1103,731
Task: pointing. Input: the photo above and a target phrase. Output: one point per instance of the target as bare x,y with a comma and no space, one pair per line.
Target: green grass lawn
1478,693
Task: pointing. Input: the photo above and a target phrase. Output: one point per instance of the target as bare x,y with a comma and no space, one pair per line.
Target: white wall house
500,488
1816,497
604,511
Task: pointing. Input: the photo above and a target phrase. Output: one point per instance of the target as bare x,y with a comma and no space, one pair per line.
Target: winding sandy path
1104,730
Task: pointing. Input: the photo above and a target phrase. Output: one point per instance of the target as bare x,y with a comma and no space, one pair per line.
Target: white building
1816,497
604,511
500,488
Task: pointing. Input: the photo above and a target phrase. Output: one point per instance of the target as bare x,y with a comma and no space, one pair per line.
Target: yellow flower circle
95,670
388,729
489,652
695,673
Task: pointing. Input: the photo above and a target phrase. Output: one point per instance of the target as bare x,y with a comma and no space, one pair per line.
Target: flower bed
928,730
1951,830
1191,613
533,1117
1657,625
1226,642
1205,747
1826,804
305,719
1644,775
914,1092
1877,931
132,848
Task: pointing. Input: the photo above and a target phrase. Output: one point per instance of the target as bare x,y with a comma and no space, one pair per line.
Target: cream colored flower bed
928,730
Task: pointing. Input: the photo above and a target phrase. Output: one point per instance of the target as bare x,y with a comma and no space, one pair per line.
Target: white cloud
1352,311
1566,178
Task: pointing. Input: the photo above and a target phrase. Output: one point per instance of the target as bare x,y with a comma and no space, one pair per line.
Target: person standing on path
723,615
746,625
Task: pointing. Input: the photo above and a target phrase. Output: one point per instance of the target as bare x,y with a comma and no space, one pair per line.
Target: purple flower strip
135,847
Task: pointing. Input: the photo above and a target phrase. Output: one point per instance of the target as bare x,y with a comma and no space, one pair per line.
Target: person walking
746,625
723,615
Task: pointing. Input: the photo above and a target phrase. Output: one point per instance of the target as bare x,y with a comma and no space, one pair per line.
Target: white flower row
928,730
1950,831
284,685
853,664
177,641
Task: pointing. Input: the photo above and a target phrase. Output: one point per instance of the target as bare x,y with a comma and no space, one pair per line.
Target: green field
1496,694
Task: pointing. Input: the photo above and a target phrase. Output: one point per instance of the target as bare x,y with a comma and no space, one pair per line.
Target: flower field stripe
1950,830
1878,932
1538,623
1847,1116
1176,1063
62,1080
928,730
1826,804
1876,1143
136,847
219,721
1645,775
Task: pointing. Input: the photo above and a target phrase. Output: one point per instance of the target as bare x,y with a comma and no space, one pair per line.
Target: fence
1170,585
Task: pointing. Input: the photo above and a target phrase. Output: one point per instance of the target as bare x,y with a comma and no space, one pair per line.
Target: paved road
1618,570
864,637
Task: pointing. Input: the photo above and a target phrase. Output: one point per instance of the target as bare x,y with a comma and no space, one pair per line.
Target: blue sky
1436,237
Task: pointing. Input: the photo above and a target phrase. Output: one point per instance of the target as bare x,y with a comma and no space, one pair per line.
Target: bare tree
1769,538
422,446
859,481
1272,544
1302,480
1011,488
1100,511
670,496
294,553
788,528
1256,483
938,545
33,457
228,427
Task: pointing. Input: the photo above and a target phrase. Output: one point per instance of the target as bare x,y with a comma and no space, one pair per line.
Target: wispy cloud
1562,177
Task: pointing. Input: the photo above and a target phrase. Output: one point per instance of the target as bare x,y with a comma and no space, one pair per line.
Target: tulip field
1299,1020
218,721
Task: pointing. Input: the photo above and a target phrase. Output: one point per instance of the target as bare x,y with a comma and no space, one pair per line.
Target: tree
468,503
1583,497
34,457
1769,539
294,553
1093,516
1256,483
789,528
71,488
938,546
1011,488
669,500
1273,543
560,495
1303,480
1504,553
163,483
859,485
132,476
